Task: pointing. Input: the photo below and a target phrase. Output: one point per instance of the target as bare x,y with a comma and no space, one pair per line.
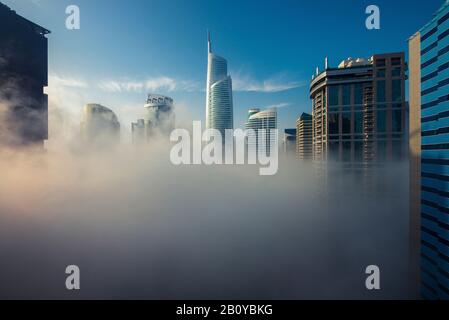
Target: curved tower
262,122
100,125
219,106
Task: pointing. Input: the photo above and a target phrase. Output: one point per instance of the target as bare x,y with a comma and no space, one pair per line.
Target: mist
139,227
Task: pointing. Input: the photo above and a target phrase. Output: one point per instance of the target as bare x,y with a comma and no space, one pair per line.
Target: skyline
141,60
188,211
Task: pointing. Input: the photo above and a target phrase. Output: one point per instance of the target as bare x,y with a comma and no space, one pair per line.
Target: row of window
396,90
344,150
346,120
343,93
440,84
435,73
364,137
395,72
435,102
396,61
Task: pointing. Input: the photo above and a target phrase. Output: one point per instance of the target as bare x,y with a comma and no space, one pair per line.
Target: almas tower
219,107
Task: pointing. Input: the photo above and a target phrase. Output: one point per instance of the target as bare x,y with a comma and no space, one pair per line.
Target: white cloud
150,84
241,82
58,81
279,83
278,105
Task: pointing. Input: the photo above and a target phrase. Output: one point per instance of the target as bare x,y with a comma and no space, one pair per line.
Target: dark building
23,76
359,110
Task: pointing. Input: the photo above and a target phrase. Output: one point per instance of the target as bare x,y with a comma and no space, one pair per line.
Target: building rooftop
159,99
37,28
305,116
355,62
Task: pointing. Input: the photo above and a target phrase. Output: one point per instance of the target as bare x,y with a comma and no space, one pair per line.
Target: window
396,90
358,93
358,151
334,127
397,121
380,63
396,72
358,122
381,73
346,122
381,121
346,95
381,91
334,151
396,61
334,95
381,150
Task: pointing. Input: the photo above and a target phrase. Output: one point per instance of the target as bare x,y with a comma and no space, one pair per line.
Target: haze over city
106,167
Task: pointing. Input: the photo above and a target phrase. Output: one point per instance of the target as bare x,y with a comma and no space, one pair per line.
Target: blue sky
126,49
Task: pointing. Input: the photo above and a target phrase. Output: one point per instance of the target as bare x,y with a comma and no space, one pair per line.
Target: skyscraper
429,147
289,141
159,118
100,127
23,76
359,110
219,106
304,137
262,123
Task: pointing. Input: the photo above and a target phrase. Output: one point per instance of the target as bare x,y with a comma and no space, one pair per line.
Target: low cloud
150,84
279,83
241,83
55,80
279,105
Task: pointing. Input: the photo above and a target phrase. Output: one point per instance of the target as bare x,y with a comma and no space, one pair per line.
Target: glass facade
358,94
435,157
346,122
333,123
396,87
346,95
381,121
334,95
381,91
358,122
396,122
359,110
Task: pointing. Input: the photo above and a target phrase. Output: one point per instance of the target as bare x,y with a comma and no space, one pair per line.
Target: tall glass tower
429,154
219,107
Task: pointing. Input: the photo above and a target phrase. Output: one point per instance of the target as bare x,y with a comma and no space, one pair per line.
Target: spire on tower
209,44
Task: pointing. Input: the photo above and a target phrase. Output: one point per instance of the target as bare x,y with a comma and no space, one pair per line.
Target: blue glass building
429,77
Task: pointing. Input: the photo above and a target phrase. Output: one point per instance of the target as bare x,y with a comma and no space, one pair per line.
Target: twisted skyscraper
219,107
